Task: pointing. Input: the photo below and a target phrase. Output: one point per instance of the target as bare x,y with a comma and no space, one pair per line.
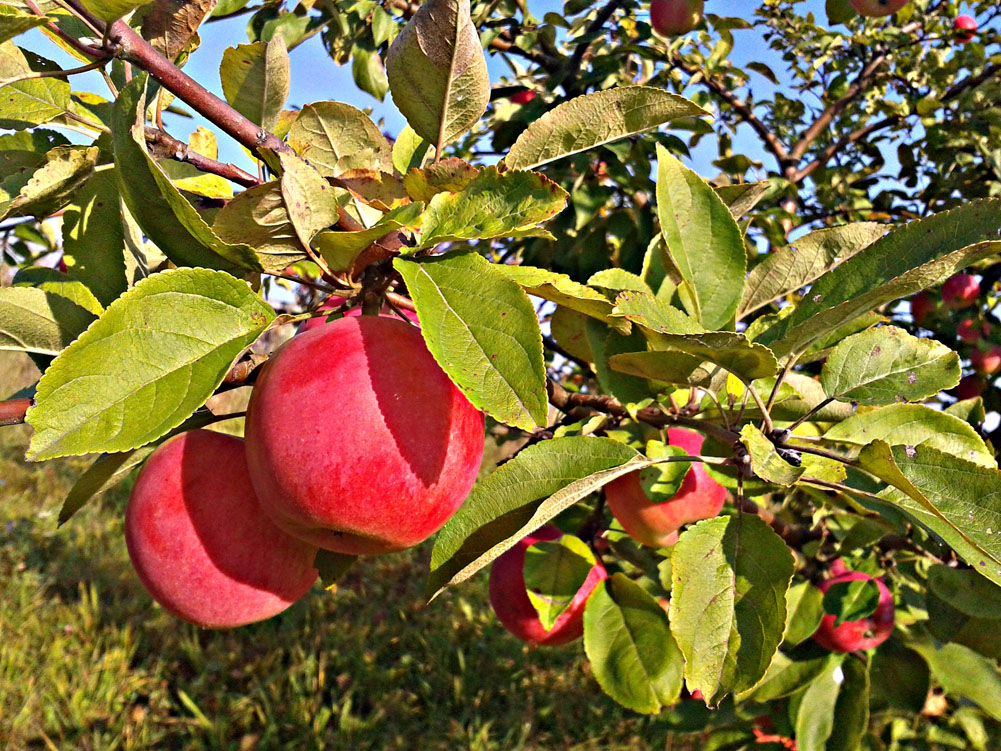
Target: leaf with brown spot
169,25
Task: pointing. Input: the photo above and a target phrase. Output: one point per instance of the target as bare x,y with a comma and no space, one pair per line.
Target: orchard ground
89,662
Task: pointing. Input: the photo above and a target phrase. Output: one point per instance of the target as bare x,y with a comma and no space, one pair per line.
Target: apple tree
737,462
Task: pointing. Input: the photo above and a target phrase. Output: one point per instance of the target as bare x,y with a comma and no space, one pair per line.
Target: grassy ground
88,661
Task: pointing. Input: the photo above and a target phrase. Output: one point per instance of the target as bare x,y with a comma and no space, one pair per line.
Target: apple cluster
956,306
356,442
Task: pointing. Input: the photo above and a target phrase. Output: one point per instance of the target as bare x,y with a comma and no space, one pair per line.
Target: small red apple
988,362
923,306
674,17
970,330
960,291
965,27
357,441
523,97
968,387
510,602
200,542
853,636
877,8
657,524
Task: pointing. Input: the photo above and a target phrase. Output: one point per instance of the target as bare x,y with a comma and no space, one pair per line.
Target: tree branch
577,59
179,150
853,137
12,411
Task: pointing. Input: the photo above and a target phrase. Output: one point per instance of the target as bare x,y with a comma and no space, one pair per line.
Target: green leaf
949,624
256,79
839,11
833,714
163,213
765,460
332,566
666,367
732,352
554,573
153,358
20,155
58,283
562,290
654,314
482,330
662,481
914,425
448,175
785,676
728,607
918,255
804,604
519,497
962,672
33,320
14,22
617,280
703,240
335,137
886,365
341,249
805,260
594,119
112,10
743,197
437,72
258,217
368,71
605,345
957,500
410,151
94,238
851,600
28,102
309,199
493,204
966,591
628,642
899,678
53,183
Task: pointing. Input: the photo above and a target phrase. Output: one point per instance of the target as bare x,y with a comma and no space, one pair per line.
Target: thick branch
179,150
853,137
136,50
12,411
989,72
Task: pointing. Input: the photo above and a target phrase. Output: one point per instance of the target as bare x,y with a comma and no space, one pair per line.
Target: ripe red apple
852,636
513,608
523,97
673,17
878,8
200,542
988,362
657,524
965,27
968,387
923,306
357,441
970,330
960,291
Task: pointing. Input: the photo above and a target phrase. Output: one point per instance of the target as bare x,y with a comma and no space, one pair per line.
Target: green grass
88,661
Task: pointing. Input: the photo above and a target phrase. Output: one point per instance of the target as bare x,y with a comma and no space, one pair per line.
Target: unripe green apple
866,633
200,542
357,441
878,8
657,524
674,17
515,611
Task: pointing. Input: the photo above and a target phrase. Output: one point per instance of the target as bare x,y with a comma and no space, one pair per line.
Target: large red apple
965,27
673,17
960,291
510,602
357,441
201,544
657,524
878,8
853,636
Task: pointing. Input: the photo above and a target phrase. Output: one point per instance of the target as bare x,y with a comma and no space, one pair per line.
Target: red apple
970,330
923,306
960,291
878,8
510,602
61,266
988,362
673,17
200,542
357,441
523,97
968,387
657,524
965,27
853,636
